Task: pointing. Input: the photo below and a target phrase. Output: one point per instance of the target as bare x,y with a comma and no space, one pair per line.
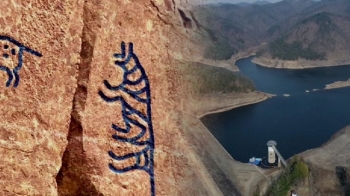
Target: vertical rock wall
59,59
40,45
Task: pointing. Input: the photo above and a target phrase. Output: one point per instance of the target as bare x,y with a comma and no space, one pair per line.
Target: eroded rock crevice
344,179
72,178
187,22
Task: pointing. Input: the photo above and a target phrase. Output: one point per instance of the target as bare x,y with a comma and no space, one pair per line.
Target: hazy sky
237,1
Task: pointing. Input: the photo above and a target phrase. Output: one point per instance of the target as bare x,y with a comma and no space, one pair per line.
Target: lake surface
302,121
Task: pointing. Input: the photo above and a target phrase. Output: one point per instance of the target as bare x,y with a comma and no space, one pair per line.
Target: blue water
303,121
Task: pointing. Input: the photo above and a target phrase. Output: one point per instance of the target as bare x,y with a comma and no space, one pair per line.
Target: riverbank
229,64
299,64
338,84
327,160
221,103
245,54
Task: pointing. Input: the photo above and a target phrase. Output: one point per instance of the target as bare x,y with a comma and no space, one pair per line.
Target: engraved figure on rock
138,130
12,58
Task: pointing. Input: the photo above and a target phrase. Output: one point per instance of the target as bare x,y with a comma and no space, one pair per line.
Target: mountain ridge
317,25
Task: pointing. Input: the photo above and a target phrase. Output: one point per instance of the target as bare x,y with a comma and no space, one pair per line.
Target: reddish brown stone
57,99
35,115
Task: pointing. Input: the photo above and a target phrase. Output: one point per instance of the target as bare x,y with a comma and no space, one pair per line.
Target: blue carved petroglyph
12,51
134,119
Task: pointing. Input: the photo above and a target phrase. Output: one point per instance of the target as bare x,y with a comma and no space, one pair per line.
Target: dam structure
273,158
272,151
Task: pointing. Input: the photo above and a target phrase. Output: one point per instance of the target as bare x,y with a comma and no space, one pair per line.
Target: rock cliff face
68,87
36,112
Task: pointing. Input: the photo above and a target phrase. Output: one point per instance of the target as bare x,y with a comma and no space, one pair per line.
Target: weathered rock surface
85,163
35,115
331,160
57,129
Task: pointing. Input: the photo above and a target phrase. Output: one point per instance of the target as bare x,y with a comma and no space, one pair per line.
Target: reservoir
302,121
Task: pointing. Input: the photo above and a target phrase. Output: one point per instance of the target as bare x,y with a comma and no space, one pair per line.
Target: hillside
322,36
205,80
262,2
234,28
294,30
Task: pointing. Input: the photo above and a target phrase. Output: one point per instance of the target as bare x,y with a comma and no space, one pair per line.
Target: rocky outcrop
323,162
63,104
85,169
41,42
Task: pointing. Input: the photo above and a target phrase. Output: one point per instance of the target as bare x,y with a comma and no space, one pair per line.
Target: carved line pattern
148,151
15,71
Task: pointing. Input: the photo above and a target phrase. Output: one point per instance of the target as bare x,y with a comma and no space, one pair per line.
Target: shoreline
299,64
338,84
303,64
242,55
260,96
229,64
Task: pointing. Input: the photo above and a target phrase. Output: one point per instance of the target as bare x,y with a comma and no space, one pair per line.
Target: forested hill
322,36
302,28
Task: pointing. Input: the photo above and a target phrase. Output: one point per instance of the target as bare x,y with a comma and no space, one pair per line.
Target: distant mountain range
292,28
244,4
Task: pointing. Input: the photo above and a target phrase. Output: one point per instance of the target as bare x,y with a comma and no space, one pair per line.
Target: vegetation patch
274,29
293,174
323,21
220,50
206,79
286,51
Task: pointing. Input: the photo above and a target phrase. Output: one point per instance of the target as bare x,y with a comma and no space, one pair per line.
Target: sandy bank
333,152
338,84
241,55
299,64
245,54
217,63
221,103
229,64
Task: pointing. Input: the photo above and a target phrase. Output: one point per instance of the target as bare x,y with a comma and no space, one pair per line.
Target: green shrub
285,51
260,53
323,21
273,29
220,50
205,79
295,172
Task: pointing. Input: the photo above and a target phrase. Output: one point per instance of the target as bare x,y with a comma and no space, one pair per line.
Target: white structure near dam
272,151
271,155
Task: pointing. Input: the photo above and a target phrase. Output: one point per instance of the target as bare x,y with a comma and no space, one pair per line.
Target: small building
254,161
